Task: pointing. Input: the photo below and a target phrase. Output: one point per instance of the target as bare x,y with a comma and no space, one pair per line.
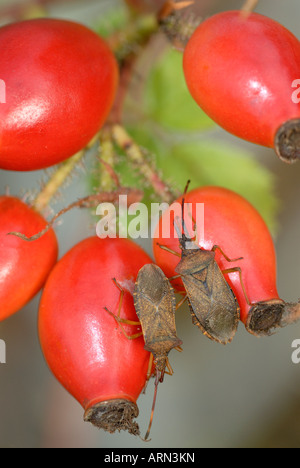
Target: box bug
155,304
213,305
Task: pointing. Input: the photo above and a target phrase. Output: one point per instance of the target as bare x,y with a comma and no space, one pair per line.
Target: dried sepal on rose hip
24,267
233,224
83,345
240,70
60,81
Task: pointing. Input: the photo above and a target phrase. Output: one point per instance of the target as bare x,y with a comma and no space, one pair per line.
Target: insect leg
170,370
174,277
149,372
163,247
182,301
217,247
117,317
127,322
153,406
238,269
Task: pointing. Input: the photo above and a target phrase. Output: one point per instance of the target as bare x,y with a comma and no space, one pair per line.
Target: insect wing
213,305
155,305
193,261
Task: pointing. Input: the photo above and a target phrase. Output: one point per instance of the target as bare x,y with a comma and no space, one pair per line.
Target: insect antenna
185,240
159,378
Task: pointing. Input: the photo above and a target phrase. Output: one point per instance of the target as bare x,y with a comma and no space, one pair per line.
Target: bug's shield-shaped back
213,305
155,305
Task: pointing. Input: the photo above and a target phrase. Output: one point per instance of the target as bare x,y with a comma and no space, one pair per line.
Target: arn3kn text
158,457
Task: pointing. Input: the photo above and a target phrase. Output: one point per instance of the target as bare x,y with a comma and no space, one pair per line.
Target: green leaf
167,99
212,162
113,20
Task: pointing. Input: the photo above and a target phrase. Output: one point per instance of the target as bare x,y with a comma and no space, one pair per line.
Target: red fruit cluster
61,81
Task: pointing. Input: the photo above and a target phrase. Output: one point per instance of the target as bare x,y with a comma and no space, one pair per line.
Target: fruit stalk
135,154
59,177
133,196
107,158
124,42
56,181
248,7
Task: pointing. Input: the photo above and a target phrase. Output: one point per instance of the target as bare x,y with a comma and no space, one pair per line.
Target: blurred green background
243,395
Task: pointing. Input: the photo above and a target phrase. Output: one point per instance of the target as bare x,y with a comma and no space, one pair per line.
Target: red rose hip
83,344
24,266
241,71
60,82
233,224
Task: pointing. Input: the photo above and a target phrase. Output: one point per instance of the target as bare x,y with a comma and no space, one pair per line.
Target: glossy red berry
233,224
24,266
60,82
241,72
82,343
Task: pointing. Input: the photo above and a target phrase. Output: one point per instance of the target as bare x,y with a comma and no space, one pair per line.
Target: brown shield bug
213,305
155,304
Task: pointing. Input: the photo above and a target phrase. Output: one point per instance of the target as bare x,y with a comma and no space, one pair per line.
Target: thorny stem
58,178
248,7
133,196
127,69
128,40
136,156
107,155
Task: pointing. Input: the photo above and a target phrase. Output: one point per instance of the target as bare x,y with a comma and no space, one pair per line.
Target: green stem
58,178
107,154
136,156
248,7
125,42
